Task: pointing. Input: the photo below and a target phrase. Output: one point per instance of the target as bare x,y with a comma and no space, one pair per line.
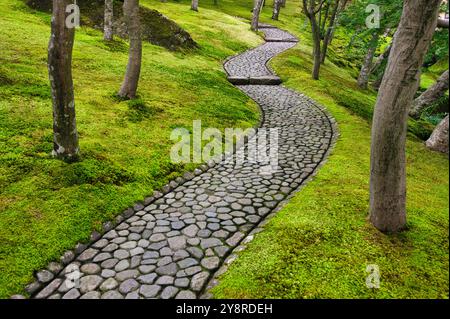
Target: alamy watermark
203,145
73,17
373,19
373,277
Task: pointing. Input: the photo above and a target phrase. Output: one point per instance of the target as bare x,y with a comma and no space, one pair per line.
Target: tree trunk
316,49
132,19
329,33
438,141
364,74
380,59
65,134
276,9
256,11
108,27
428,97
283,3
194,5
388,167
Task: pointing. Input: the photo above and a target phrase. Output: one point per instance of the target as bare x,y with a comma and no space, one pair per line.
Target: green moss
47,206
320,243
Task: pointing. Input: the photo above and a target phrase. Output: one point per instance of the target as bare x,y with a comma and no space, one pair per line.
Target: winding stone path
172,247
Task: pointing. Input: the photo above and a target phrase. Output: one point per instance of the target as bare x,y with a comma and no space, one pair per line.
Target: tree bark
388,167
283,3
256,11
329,33
65,134
194,5
428,97
311,12
438,141
363,78
380,59
132,19
108,24
317,54
276,9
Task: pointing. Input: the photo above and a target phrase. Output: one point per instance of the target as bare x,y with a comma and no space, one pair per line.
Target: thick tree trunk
276,9
108,27
132,19
65,134
256,11
388,167
438,141
428,97
363,78
194,5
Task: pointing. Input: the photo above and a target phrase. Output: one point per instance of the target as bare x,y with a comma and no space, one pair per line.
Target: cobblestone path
171,247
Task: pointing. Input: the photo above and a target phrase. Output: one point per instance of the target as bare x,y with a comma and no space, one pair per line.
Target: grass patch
47,206
320,244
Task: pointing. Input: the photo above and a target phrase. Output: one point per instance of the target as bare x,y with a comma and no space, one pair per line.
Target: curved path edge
176,243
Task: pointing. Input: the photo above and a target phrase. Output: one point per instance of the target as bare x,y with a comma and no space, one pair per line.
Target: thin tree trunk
194,5
310,12
328,34
438,141
380,59
283,3
132,19
276,9
316,49
428,97
256,11
364,74
65,134
108,27
388,167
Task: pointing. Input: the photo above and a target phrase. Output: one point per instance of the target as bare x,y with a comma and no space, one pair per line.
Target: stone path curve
172,247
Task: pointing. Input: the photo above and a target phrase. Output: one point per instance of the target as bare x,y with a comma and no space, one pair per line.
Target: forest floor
318,246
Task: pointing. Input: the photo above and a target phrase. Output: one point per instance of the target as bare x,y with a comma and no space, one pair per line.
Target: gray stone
199,280
169,292
128,286
176,243
91,295
90,269
112,294
170,269
147,279
211,263
165,280
127,274
109,284
149,291
185,294
72,294
89,283
44,276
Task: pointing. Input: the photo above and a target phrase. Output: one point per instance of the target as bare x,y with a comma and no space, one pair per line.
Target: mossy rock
156,28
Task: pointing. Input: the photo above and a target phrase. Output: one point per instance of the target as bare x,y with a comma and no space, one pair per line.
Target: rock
149,291
109,284
199,280
89,283
44,276
185,294
176,243
128,286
